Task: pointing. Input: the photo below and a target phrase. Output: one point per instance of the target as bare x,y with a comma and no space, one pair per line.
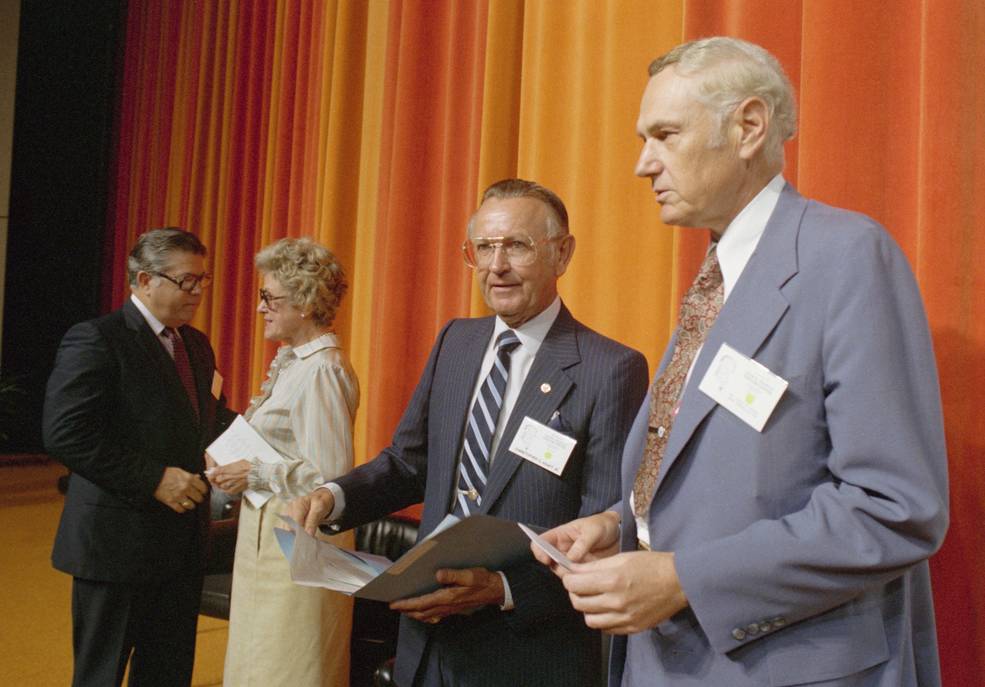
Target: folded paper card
241,442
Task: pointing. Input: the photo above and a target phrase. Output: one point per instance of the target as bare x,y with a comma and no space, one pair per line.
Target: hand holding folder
476,541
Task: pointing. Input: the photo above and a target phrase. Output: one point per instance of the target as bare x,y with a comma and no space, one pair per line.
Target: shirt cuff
339,507
507,604
256,478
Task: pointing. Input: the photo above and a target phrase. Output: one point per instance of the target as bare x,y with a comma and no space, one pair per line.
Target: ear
565,249
143,280
753,120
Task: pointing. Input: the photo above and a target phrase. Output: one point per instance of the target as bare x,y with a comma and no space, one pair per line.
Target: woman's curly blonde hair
309,272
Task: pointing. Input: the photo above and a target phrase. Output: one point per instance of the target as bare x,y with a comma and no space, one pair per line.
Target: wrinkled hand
310,511
464,591
179,490
232,478
585,539
628,592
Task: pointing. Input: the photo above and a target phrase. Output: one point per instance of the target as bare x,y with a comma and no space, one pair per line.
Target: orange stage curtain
373,125
243,121
427,181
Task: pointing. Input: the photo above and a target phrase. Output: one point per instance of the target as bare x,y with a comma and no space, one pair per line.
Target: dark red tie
184,366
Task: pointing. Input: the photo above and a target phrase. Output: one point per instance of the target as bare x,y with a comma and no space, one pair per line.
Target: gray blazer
802,549
595,385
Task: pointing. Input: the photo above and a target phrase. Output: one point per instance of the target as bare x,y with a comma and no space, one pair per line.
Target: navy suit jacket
802,548
116,414
595,386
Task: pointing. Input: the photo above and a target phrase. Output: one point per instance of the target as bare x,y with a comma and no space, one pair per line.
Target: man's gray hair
731,70
152,251
557,217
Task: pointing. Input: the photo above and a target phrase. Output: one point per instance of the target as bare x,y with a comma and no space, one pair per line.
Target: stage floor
35,625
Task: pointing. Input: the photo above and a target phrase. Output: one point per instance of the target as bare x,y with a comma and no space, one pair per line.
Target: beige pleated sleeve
306,415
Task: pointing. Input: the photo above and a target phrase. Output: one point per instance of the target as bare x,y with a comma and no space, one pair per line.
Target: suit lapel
752,311
456,394
166,371
199,362
558,352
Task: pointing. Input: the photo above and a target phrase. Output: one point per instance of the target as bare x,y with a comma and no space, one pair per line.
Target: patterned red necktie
698,312
184,366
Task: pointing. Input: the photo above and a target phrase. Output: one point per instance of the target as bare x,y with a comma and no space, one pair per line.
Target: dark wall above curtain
63,122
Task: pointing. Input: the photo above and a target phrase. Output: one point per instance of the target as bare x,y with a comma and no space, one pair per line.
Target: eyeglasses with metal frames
269,299
520,251
188,282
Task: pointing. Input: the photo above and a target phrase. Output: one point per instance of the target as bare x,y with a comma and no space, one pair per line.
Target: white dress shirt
738,243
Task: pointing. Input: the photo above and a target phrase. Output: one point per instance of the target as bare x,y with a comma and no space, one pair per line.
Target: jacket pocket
837,644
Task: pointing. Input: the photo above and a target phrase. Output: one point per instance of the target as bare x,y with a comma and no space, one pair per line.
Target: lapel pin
545,388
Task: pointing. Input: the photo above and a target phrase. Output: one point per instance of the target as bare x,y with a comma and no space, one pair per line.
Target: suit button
779,622
752,629
765,627
738,634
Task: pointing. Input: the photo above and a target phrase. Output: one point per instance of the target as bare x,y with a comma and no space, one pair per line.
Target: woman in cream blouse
281,633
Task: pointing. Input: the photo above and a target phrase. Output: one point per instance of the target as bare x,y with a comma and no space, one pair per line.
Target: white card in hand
547,547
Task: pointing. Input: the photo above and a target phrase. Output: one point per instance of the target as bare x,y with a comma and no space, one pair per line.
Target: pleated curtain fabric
250,121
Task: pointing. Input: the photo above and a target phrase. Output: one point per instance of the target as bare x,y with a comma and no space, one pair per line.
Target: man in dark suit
786,480
533,362
132,402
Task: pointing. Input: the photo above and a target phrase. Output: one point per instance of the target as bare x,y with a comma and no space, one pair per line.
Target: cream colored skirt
281,633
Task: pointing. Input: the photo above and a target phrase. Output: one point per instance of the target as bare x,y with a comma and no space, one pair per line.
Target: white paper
241,442
317,563
744,387
547,547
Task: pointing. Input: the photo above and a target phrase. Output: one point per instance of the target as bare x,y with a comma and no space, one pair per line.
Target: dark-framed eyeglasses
268,299
520,250
188,282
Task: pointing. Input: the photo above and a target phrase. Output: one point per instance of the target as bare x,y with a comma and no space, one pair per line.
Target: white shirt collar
742,235
532,332
154,323
326,340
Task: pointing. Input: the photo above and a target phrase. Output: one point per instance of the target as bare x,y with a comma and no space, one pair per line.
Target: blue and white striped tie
474,469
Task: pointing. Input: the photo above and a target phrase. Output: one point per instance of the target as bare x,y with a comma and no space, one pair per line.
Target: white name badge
742,386
216,384
542,445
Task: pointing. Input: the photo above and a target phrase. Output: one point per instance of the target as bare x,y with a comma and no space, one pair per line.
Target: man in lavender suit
785,543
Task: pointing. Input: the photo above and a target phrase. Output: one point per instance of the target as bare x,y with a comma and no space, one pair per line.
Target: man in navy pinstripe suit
514,626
